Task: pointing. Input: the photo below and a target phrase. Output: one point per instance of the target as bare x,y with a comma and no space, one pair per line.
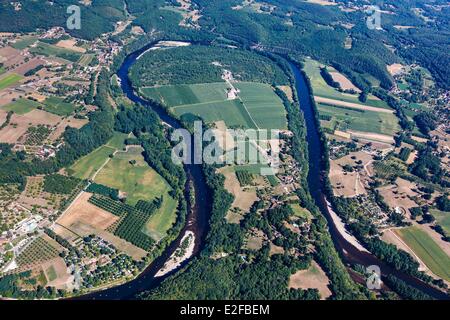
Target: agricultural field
427,250
138,181
162,220
86,59
264,106
182,94
232,112
36,136
132,220
38,251
88,165
243,199
49,50
322,89
19,124
301,212
24,42
57,106
129,173
9,80
442,219
21,106
257,105
83,218
312,278
347,118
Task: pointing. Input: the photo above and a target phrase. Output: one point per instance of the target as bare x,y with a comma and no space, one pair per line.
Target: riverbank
183,253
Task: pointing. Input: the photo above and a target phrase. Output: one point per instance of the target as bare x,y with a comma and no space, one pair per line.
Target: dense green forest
194,64
97,18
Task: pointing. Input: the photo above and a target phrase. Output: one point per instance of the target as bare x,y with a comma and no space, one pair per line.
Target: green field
301,212
118,140
86,59
256,169
232,112
322,89
86,167
360,120
24,42
140,182
427,250
442,219
257,107
57,106
53,51
265,107
177,95
21,106
9,80
161,221
51,273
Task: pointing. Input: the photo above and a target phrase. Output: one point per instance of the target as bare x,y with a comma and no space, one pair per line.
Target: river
197,220
348,252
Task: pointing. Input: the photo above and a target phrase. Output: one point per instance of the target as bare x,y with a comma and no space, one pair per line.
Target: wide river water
197,220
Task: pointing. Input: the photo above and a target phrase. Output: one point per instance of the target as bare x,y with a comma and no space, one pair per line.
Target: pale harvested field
8,95
343,134
243,199
412,157
83,211
322,2
33,63
312,278
20,123
372,136
395,69
398,195
63,278
345,184
71,45
399,27
288,91
419,139
10,56
254,240
349,184
351,105
275,249
3,115
68,122
343,81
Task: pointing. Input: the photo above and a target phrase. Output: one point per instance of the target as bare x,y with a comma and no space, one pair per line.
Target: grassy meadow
322,89
257,106
9,80
427,250
21,106
360,120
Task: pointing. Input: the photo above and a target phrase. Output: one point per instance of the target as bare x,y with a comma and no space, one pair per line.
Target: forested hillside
97,18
